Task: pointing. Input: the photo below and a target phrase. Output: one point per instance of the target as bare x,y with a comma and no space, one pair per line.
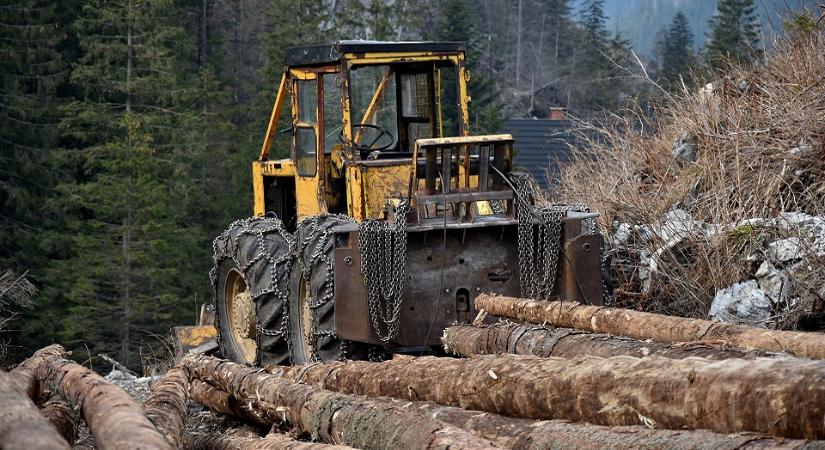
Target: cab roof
333,52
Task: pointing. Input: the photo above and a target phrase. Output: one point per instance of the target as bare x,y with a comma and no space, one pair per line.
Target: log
21,424
166,405
115,420
57,411
515,433
273,441
780,397
523,434
219,401
23,376
327,416
656,327
538,340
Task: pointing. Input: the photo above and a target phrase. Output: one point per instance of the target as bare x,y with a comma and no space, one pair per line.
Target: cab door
305,143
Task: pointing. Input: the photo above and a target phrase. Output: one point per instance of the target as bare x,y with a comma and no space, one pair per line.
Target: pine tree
591,66
734,34
31,71
674,48
134,270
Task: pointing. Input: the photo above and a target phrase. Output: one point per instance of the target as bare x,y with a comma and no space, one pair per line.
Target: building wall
541,146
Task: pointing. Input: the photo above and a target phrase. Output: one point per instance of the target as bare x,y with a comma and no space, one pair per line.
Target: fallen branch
21,424
644,326
537,340
663,393
115,364
166,406
327,416
114,418
273,441
62,416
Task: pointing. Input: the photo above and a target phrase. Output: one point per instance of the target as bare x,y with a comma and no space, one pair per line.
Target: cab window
305,139
333,114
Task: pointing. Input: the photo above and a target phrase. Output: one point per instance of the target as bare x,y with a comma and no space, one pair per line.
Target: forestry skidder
378,231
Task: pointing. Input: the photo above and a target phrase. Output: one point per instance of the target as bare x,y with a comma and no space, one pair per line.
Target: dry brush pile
667,383
720,195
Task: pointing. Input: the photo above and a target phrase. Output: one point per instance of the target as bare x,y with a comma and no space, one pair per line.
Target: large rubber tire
257,248
311,301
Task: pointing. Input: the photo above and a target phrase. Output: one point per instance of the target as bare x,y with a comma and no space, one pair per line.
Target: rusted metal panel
444,271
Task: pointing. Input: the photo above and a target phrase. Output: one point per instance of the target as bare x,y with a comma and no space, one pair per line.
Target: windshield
373,99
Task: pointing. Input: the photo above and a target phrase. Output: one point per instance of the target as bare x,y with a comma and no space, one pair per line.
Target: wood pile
564,376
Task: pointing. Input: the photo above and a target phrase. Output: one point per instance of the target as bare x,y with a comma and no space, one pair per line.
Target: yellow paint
271,129
193,336
369,185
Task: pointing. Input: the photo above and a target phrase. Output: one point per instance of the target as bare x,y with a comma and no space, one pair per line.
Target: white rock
742,303
785,250
774,282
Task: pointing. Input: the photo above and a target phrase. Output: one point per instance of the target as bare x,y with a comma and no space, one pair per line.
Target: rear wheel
311,303
249,281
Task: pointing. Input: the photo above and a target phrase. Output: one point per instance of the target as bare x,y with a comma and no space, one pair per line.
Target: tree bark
537,340
523,434
23,376
62,416
166,405
508,432
328,416
781,397
114,418
21,424
272,441
656,327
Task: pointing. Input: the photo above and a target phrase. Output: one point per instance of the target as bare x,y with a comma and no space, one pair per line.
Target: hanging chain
383,248
539,236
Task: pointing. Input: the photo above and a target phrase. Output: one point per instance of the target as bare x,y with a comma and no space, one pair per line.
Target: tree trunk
23,376
21,424
656,327
114,418
537,340
62,416
509,432
780,397
167,407
273,441
328,416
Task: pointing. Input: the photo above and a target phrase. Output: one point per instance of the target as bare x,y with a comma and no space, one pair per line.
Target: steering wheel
369,147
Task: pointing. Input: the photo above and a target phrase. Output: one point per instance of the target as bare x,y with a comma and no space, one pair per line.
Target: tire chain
276,266
383,248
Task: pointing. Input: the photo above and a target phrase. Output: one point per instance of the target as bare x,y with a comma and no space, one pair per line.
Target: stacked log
325,415
272,441
21,424
114,418
166,406
539,340
656,327
691,393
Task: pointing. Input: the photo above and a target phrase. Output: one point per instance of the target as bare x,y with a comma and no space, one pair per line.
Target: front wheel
249,282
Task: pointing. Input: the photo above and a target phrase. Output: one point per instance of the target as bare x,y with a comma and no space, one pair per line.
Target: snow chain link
383,248
272,225
539,236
